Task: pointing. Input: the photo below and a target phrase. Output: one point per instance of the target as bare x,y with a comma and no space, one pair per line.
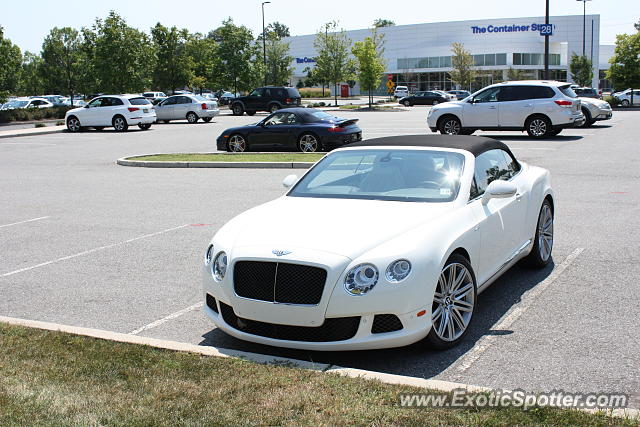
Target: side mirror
499,189
289,180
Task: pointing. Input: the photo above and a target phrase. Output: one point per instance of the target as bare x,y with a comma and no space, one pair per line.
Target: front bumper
221,144
604,115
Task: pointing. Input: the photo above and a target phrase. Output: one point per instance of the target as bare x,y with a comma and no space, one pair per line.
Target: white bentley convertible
403,234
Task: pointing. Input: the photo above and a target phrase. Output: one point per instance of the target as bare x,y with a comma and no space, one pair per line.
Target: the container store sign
305,60
543,29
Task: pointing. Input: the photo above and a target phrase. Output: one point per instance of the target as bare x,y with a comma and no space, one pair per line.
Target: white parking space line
167,318
464,363
43,264
24,222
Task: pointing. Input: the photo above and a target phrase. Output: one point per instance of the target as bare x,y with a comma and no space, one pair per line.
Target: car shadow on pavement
525,137
414,360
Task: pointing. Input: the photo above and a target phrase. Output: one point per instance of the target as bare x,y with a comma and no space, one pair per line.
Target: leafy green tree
514,74
581,69
10,66
624,71
173,65
31,76
333,61
238,52
279,69
61,57
380,22
275,30
369,62
122,56
462,62
205,61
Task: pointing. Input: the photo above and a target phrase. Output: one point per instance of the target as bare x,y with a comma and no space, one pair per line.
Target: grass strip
57,379
235,157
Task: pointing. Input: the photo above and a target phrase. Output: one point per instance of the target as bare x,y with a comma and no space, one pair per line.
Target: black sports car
301,129
423,98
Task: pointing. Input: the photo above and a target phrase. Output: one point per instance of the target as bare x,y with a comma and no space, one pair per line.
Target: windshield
395,175
139,101
200,98
16,104
566,90
321,115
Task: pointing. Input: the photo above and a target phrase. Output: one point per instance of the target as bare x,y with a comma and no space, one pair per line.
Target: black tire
73,124
450,125
435,102
433,340
207,119
309,143
273,108
407,103
536,259
237,109
192,117
250,113
145,126
538,127
98,128
120,124
588,121
624,103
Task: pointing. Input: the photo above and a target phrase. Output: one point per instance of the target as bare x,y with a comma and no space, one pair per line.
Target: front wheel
538,127
435,102
192,117
453,305
206,119
543,241
450,126
273,108
145,126
308,143
237,144
73,124
407,104
237,109
120,124
624,103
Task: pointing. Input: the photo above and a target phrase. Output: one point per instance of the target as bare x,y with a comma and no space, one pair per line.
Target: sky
27,22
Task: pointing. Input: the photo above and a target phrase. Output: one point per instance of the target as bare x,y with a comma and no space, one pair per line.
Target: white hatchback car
431,221
118,111
542,108
189,107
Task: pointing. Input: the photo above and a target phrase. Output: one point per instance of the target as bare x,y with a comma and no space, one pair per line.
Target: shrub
24,114
612,100
40,125
60,123
312,92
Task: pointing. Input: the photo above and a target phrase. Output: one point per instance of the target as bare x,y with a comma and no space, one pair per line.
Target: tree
279,69
205,61
514,74
370,62
10,66
332,62
31,76
173,65
238,51
581,69
61,60
380,22
624,71
122,57
275,29
462,62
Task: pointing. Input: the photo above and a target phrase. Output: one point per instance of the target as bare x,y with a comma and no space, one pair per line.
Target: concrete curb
438,385
31,132
126,161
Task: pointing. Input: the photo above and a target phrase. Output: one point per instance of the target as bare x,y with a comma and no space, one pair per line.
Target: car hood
344,227
74,110
593,101
448,105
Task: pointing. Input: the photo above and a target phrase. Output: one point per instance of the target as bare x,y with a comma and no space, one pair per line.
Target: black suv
269,98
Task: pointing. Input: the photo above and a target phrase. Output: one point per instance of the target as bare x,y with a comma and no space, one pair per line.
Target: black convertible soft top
476,145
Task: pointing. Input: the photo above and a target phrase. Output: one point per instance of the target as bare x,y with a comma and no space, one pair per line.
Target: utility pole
584,26
546,44
264,44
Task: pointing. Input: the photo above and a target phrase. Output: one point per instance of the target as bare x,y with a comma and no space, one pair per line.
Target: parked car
401,92
541,108
446,94
154,96
302,129
27,103
594,110
459,94
189,107
55,100
118,111
413,229
77,101
625,97
225,98
586,92
423,98
269,98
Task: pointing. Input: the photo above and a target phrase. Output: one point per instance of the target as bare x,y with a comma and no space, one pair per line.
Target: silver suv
541,108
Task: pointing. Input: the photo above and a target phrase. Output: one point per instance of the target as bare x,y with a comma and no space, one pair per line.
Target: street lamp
264,45
584,25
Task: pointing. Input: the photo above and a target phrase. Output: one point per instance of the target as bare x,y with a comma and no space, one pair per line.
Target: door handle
518,196
528,105
492,107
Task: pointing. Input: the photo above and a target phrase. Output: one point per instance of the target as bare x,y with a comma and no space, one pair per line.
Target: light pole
546,43
584,26
264,44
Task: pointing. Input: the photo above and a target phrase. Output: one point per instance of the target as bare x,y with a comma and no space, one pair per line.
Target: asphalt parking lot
86,242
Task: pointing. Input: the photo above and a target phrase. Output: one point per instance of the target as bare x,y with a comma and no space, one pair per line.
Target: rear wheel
453,305
273,108
237,109
237,144
120,124
543,241
407,103
308,143
206,119
192,117
450,125
538,127
73,124
145,126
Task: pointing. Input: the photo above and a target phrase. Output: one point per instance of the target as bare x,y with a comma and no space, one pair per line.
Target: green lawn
233,157
53,379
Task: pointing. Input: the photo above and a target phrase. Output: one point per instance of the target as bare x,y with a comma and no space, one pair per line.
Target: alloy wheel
73,124
407,104
545,232
435,102
308,144
237,144
192,118
453,302
538,127
451,127
118,123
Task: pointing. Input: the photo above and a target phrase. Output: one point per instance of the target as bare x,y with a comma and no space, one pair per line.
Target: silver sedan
189,107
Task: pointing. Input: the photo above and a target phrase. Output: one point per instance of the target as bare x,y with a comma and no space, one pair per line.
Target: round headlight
208,254
361,279
398,270
219,267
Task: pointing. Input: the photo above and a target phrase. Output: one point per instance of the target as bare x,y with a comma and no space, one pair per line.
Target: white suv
541,108
401,91
119,111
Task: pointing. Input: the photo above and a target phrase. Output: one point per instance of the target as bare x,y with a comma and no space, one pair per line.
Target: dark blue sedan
300,129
